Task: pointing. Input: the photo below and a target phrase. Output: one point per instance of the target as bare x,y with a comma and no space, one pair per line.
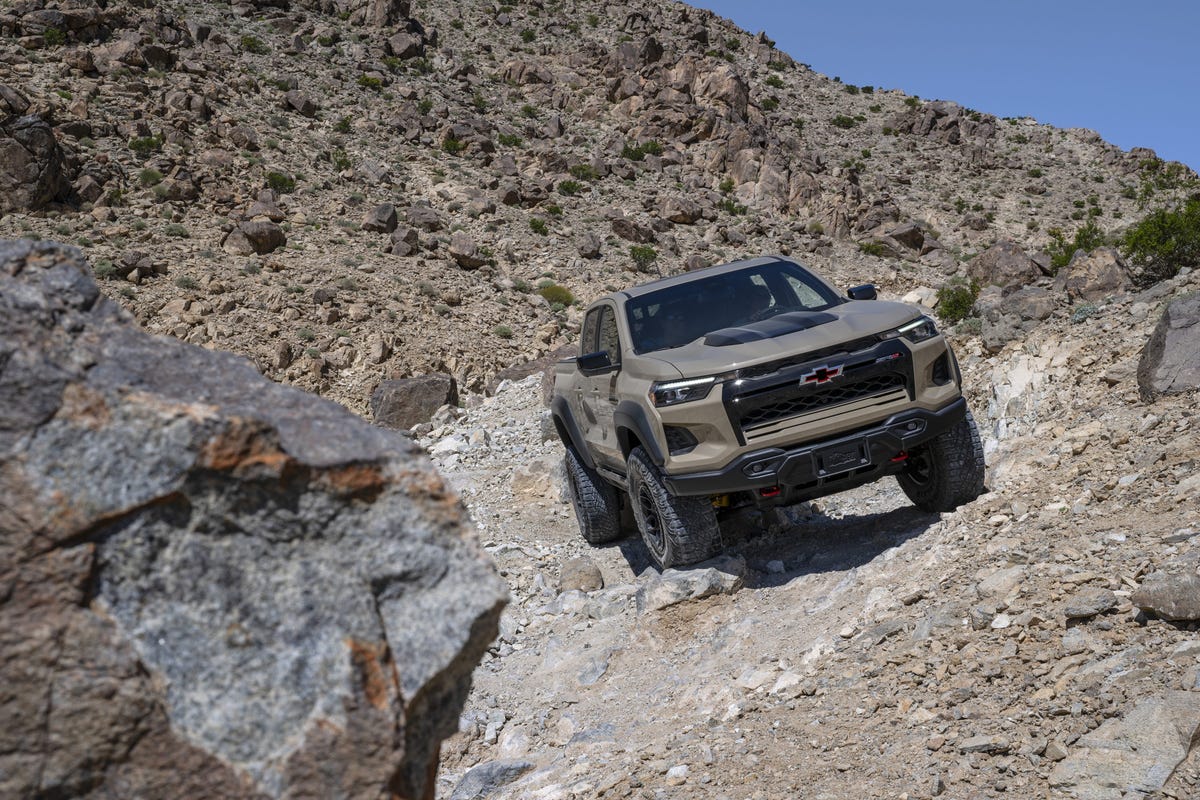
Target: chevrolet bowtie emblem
821,375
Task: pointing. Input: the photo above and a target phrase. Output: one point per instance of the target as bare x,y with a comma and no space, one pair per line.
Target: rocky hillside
345,190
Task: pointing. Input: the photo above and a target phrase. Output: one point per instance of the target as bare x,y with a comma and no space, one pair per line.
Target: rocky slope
231,168
855,647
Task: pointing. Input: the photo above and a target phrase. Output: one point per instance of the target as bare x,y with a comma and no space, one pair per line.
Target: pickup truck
754,382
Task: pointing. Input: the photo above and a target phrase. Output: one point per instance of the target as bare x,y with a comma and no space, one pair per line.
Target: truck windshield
678,315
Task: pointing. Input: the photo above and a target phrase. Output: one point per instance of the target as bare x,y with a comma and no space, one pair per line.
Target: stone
484,780
589,245
1170,595
234,589
33,168
465,251
1136,753
255,236
406,44
301,103
1094,276
1089,603
1170,362
540,478
381,219
631,231
680,210
1030,303
580,573
722,575
405,402
386,13
425,218
1002,582
1004,264
990,745
909,234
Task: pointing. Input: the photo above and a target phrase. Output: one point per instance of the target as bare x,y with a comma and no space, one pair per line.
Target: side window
608,335
587,342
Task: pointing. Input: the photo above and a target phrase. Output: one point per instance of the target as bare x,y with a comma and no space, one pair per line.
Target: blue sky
1130,71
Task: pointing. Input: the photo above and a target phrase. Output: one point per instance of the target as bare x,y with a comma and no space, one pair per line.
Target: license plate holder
842,457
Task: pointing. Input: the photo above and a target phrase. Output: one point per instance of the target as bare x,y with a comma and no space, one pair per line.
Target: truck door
600,392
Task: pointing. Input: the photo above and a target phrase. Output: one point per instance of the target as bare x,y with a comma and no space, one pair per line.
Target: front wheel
676,530
947,471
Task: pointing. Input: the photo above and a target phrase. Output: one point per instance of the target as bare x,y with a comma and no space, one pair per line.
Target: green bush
187,283
145,145
557,294
370,82
539,226
638,152
584,172
842,121
774,81
1164,242
503,331
253,44
1087,237
769,104
281,182
527,36
178,231
453,146
873,249
53,37
643,256
570,188
956,299
149,177
510,139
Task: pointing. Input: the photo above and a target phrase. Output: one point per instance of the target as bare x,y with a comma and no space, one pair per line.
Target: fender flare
568,430
630,417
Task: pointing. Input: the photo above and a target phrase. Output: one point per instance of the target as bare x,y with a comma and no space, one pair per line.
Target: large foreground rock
1171,361
1003,264
33,169
212,585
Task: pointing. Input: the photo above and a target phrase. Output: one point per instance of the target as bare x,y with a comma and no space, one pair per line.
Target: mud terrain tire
946,472
677,530
597,504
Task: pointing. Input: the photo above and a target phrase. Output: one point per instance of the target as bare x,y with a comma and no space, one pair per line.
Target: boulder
580,574
386,13
910,235
721,575
589,245
680,210
381,219
1170,594
465,252
484,780
300,102
1004,264
1170,362
406,44
230,588
1133,755
404,402
254,236
33,169
1094,276
631,231
539,479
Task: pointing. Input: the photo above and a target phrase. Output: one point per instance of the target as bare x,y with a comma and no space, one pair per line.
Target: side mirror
594,363
864,292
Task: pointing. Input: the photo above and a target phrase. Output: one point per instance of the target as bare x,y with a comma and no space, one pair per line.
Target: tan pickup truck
754,382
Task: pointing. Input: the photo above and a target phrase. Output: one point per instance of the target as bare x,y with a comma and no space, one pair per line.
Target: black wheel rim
920,468
652,529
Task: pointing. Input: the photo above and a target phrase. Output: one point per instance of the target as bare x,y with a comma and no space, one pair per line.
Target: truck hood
786,335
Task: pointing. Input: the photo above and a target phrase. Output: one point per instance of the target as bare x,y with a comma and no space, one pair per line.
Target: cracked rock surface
210,582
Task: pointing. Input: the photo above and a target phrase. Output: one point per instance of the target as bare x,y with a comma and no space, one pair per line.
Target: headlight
918,330
672,392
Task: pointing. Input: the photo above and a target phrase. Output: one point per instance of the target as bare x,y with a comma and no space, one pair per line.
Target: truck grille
794,402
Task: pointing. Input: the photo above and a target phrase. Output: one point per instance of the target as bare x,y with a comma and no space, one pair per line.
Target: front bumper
802,473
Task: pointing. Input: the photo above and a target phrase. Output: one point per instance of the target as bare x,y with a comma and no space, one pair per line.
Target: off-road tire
677,530
597,504
947,471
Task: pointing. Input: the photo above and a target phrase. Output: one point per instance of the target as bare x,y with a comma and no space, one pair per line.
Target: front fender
632,418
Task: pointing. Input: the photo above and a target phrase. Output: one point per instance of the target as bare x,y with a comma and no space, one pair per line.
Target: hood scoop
778,325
